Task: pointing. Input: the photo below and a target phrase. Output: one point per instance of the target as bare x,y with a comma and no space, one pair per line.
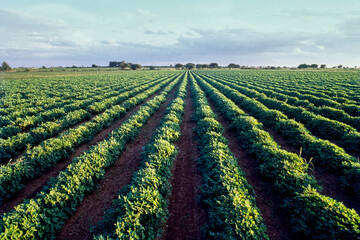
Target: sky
152,32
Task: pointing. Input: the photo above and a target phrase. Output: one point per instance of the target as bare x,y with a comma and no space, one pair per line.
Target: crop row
20,104
48,153
13,145
43,216
346,136
96,104
141,210
312,215
29,97
318,106
26,117
20,110
310,85
229,198
350,109
323,152
318,98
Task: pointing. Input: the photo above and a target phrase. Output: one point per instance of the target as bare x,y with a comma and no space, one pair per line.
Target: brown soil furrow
35,186
282,141
94,205
268,201
186,214
332,188
329,181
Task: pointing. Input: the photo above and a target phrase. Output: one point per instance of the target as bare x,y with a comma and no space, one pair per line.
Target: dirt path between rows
268,201
36,185
186,215
332,188
94,205
329,181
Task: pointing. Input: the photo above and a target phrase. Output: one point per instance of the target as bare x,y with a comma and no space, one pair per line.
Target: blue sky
253,33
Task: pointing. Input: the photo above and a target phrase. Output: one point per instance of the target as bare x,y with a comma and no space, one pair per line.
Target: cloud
234,42
150,32
145,13
40,40
350,27
308,13
61,43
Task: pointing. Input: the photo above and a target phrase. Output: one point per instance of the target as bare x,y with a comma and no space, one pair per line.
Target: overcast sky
253,33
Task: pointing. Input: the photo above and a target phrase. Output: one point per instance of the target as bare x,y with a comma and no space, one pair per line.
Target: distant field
203,154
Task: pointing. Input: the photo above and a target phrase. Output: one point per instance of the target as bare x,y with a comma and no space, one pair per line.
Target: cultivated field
205,154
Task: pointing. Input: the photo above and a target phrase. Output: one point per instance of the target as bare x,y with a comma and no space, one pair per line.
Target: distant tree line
304,65
198,66
208,66
237,66
124,65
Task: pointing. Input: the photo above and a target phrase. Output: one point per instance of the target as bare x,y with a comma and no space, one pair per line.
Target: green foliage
288,172
179,66
321,151
190,66
311,214
141,210
300,105
5,67
44,156
228,197
43,217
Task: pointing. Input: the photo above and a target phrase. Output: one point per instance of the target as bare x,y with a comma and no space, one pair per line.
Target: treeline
124,65
304,65
206,66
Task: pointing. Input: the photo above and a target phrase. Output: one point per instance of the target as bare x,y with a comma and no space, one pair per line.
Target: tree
302,66
340,66
135,66
179,66
190,65
5,67
323,66
152,68
314,65
114,64
200,66
94,66
214,65
233,65
123,65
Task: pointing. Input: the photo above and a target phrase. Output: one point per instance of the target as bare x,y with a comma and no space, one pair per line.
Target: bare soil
35,186
186,214
282,141
328,180
268,201
94,205
332,188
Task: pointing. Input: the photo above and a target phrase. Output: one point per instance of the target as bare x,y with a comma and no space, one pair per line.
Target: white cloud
145,13
58,32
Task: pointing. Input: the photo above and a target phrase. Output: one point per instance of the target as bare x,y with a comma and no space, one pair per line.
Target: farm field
203,154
